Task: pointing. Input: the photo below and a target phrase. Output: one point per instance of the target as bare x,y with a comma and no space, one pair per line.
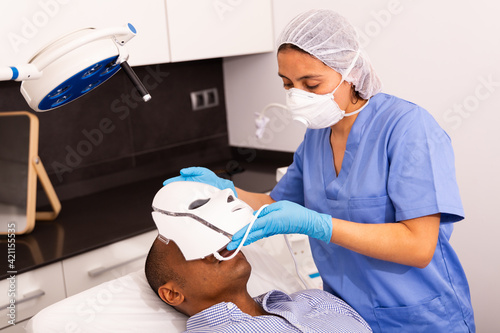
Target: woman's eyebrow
305,77
282,76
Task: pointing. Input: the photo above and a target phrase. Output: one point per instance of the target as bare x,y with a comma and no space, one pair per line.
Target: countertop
89,222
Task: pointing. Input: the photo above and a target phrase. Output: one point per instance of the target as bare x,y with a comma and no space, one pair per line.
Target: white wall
442,55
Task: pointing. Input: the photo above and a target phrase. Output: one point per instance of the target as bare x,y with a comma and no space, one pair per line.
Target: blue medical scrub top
398,165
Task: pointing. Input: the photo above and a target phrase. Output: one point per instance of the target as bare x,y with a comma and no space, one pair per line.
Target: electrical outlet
204,99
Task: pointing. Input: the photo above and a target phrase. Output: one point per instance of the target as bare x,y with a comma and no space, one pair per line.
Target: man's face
206,281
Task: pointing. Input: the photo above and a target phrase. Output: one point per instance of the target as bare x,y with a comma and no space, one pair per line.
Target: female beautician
377,176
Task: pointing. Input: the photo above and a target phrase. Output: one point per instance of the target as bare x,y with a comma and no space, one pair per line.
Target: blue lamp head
79,84
74,65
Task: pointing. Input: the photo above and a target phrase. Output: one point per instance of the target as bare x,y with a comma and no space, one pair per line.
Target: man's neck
249,306
243,301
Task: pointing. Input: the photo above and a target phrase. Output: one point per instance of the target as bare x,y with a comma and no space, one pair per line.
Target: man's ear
171,294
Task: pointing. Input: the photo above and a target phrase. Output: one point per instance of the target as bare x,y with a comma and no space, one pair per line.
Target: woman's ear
171,294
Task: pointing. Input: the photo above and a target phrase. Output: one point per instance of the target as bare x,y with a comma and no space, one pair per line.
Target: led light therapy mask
201,219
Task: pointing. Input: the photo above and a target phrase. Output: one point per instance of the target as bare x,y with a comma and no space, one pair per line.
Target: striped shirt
305,311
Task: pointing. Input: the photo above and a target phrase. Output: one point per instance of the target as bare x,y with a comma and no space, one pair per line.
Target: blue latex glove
202,175
285,217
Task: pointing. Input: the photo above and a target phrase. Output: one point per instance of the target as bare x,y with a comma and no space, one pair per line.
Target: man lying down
195,223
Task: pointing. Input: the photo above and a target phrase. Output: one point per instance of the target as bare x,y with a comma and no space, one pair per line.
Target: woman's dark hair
288,46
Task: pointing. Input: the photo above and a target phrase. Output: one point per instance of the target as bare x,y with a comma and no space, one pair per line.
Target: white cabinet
27,26
35,290
167,30
200,29
110,262
150,45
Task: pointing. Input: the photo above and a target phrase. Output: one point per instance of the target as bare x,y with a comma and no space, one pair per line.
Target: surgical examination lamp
74,65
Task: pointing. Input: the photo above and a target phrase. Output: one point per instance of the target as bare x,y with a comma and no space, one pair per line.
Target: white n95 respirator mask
201,219
317,111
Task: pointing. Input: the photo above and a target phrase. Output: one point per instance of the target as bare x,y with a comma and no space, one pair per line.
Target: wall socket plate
204,99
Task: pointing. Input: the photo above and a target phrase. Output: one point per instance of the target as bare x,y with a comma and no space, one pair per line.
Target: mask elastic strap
357,111
351,66
238,249
347,71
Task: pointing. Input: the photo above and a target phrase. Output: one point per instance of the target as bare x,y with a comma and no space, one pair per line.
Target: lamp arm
19,73
122,35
